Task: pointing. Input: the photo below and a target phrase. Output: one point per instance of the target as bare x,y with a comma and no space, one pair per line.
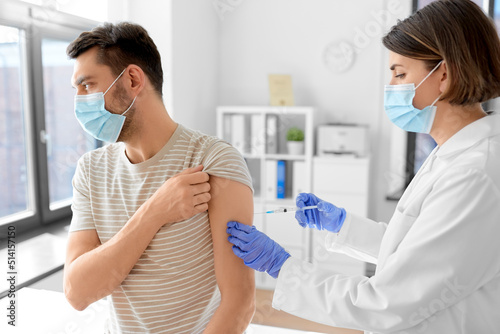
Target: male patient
149,224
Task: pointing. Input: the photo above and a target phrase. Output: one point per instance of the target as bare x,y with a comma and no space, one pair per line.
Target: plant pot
295,147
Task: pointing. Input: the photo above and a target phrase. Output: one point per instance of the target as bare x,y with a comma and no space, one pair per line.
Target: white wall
194,64
156,19
260,37
221,55
289,36
186,34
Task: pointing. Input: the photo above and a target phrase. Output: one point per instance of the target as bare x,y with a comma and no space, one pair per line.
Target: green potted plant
295,141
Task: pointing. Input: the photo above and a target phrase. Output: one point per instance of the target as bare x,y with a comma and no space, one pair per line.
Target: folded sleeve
224,161
81,207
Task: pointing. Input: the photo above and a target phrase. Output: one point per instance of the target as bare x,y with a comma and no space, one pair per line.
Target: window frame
38,23
31,217
411,147
69,34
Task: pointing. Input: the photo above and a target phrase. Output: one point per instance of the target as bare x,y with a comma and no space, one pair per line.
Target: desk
48,312
36,258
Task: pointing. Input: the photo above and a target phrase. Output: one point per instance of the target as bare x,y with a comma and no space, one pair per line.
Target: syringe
289,209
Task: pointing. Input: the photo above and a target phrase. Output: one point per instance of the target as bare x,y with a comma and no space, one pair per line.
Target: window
423,3
65,139
496,14
40,138
90,9
495,103
16,198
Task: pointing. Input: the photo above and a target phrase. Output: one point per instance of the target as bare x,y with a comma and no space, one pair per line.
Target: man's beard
129,126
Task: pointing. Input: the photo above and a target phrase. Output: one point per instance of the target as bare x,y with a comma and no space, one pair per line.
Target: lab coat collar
471,134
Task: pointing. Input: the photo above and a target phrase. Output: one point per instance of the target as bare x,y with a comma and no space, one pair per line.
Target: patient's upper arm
231,200
81,242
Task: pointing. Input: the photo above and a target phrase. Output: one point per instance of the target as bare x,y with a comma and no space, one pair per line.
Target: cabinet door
343,182
344,176
339,263
284,229
355,203
261,279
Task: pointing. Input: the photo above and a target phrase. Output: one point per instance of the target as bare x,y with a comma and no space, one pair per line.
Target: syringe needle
289,209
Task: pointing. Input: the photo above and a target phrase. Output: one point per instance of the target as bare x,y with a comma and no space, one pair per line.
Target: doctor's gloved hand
326,217
256,249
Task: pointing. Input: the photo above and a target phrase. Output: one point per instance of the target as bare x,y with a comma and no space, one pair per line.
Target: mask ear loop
133,104
428,75
433,103
112,86
114,81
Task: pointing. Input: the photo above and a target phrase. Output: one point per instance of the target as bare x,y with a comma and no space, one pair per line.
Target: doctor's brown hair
120,45
461,34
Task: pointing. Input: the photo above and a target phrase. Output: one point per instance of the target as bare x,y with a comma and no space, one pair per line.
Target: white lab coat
438,260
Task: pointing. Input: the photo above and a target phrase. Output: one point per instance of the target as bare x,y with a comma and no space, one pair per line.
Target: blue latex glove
256,249
326,217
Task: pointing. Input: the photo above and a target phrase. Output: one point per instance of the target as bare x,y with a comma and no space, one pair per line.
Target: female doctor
438,260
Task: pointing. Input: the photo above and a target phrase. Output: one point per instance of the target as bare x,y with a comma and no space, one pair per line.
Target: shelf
276,201
259,133
284,157
276,157
285,110
252,156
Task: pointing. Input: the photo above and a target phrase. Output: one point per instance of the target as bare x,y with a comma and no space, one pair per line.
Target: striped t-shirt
172,288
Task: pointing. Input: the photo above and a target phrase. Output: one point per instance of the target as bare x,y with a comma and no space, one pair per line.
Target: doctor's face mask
398,105
95,119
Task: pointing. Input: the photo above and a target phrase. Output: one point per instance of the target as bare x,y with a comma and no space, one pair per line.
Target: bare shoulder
231,200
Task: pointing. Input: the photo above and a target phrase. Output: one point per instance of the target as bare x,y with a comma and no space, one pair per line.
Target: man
141,232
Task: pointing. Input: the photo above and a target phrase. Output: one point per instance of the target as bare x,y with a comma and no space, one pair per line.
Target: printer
342,139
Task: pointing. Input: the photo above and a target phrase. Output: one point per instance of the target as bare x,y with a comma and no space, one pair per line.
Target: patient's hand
180,197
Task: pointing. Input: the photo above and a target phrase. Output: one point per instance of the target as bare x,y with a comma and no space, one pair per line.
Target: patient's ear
136,79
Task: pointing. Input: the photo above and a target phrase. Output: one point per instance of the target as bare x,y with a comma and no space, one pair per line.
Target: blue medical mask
95,119
398,105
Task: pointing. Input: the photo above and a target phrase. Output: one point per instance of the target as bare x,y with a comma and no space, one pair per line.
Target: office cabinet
259,133
342,181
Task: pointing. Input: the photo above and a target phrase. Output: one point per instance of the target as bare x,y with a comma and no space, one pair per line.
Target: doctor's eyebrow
393,66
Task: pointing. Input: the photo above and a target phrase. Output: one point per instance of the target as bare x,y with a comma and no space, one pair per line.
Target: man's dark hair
120,45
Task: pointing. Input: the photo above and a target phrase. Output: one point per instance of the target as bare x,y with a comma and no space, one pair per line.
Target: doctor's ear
443,72
136,78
